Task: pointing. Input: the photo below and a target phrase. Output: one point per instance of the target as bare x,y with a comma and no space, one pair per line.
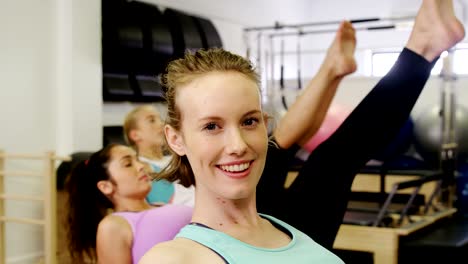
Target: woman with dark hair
109,218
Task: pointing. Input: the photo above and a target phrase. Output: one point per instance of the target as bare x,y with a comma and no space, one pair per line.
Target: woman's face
128,175
223,133
149,127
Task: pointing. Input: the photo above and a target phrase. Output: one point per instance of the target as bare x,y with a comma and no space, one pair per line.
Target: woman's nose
235,142
140,165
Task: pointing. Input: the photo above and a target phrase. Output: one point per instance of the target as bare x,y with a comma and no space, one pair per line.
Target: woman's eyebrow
126,157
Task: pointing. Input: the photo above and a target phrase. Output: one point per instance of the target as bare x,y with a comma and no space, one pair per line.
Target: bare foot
340,56
436,29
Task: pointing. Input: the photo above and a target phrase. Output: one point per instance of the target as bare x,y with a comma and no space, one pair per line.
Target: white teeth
236,168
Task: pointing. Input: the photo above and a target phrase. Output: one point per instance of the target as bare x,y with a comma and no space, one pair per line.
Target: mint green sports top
301,250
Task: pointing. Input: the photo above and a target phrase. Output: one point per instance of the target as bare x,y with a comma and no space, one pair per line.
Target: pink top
156,225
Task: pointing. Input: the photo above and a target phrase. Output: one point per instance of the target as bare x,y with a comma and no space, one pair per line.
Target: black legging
316,201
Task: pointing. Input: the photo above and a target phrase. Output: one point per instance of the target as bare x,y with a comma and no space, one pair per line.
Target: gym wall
139,39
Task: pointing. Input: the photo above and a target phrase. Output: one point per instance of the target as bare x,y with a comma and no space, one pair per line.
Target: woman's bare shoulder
174,251
180,250
113,225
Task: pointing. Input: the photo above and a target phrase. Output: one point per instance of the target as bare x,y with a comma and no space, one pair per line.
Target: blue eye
211,126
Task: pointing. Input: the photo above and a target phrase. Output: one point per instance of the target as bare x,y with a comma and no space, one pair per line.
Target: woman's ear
134,135
174,140
105,187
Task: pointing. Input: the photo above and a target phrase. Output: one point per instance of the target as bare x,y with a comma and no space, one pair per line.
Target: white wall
26,77
27,114
50,74
50,62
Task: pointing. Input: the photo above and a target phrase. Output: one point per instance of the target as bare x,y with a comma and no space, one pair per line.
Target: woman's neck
132,206
240,219
151,153
223,214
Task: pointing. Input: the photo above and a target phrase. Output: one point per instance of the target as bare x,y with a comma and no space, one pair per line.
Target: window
383,61
460,61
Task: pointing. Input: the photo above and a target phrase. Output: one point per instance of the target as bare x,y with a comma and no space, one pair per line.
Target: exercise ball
428,134
400,144
333,119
